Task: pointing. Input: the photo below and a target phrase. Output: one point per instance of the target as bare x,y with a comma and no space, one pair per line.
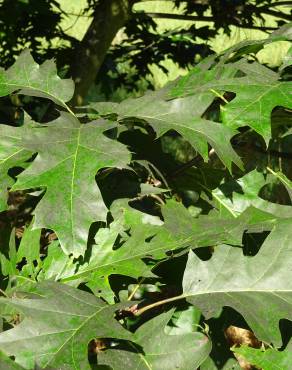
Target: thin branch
140,311
79,15
3,293
135,289
182,168
272,5
183,17
278,3
73,24
261,28
276,14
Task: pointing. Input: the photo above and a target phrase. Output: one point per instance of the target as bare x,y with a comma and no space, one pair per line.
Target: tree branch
278,3
276,14
183,17
109,16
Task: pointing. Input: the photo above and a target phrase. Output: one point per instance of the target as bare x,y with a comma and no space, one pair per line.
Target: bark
109,17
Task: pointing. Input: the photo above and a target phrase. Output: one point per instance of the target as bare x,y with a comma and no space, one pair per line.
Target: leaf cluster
134,234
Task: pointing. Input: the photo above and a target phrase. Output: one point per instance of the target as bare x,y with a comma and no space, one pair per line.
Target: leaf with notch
69,156
159,350
257,287
146,240
184,116
213,229
29,249
32,79
257,94
11,154
59,323
234,197
7,364
151,238
283,179
269,359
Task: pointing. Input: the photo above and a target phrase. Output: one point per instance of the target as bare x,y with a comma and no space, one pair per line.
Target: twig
4,293
184,17
135,289
140,311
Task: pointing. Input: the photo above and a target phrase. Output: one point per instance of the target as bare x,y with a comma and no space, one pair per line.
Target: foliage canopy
38,25
126,255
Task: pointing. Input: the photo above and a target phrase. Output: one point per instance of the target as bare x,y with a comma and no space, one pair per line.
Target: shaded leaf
160,350
259,289
184,116
283,179
59,323
146,239
212,229
231,364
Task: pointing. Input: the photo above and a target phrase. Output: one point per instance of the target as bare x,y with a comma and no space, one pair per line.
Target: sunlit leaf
69,156
29,78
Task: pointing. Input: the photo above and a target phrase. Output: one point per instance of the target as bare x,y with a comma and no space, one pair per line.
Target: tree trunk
109,17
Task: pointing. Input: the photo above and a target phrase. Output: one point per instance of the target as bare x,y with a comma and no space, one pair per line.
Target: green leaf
11,155
200,80
257,94
57,265
69,156
234,197
184,116
29,249
287,60
257,287
7,364
283,179
186,321
269,359
231,364
151,238
32,79
146,239
212,229
159,350
59,323
8,264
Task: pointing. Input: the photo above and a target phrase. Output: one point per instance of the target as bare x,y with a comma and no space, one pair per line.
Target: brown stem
140,311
